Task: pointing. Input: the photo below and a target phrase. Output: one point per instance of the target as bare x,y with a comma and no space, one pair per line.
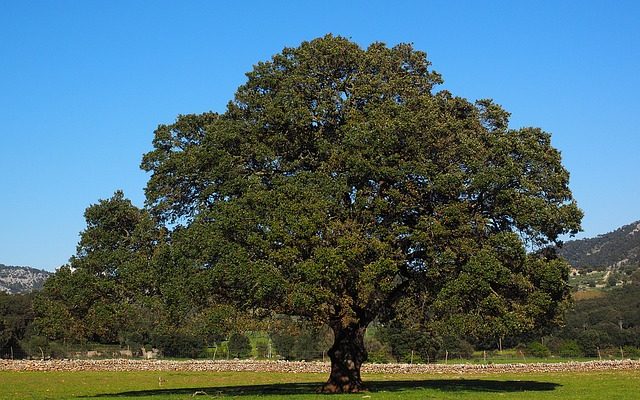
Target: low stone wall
308,367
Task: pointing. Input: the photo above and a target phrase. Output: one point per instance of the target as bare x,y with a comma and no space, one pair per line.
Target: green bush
283,344
591,340
631,352
453,347
299,340
553,343
134,340
403,341
307,346
262,349
377,351
36,347
179,345
537,349
239,346
570,348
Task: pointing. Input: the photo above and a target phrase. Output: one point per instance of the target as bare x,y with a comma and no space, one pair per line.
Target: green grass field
618,385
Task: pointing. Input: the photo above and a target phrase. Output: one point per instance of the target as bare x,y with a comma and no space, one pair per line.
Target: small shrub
262,349
239,346
570,348
453,347
378,352
180,345
631,352
283,343
537,349
36,347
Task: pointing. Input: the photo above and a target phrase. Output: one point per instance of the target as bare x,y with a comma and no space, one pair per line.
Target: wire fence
265,350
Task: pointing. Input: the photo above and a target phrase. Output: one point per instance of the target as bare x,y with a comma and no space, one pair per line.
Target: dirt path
606,277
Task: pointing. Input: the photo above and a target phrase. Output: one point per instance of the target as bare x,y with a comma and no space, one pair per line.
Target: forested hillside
21,279
610,320
617,248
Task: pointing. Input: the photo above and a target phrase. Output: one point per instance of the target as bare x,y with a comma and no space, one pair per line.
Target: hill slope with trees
617,248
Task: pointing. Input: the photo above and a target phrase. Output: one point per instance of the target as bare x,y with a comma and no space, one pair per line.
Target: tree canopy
110,284
124,285
341,187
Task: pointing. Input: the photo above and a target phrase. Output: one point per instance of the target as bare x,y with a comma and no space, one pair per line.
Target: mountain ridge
617,248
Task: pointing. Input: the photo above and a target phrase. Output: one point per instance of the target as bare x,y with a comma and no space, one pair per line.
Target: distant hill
21,279
614,249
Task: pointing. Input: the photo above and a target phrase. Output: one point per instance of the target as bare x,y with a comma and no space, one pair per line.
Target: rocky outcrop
15,280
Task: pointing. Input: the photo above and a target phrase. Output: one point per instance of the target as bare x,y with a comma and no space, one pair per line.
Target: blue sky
83,84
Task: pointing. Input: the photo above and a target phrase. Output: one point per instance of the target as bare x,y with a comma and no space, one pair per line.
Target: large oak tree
339,186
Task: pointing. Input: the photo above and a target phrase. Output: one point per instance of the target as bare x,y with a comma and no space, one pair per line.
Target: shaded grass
288,389
253,385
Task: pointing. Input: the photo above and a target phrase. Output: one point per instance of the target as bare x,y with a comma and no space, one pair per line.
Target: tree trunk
347,355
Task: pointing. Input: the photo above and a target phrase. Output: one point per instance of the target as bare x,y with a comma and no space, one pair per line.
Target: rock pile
308,367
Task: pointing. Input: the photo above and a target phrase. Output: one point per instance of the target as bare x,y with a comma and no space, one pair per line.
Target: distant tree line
606,326
16,317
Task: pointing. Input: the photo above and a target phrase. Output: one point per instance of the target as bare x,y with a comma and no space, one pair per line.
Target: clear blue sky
83,84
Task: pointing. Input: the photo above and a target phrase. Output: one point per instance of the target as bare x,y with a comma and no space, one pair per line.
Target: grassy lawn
250,385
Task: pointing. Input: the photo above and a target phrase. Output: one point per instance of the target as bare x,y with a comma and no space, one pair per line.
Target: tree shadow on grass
284,389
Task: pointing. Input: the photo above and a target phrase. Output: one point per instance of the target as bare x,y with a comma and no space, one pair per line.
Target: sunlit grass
588,294
253,385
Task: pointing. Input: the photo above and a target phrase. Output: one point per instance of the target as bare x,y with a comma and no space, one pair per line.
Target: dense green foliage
609,321
409,343
16,315
605,326
295,339
339,187
338,183
110,288
123,287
